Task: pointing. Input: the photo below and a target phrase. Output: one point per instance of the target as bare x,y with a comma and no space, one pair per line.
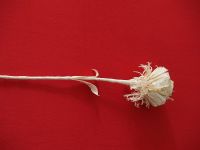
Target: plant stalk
88,78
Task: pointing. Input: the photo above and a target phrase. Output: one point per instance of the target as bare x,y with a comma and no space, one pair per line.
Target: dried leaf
92,87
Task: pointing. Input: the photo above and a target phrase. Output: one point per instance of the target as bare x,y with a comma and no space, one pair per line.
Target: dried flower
153,87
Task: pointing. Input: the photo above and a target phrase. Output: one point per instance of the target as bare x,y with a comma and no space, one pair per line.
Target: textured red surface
60,37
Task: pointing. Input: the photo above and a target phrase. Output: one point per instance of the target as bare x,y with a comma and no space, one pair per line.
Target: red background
63,37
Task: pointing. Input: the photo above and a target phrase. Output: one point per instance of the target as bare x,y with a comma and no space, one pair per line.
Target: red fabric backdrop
60,37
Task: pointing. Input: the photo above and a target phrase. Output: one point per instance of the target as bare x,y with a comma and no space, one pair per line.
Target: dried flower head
153,87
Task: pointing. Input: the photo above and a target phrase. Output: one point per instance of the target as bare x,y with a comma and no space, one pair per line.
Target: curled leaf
92,87
96,72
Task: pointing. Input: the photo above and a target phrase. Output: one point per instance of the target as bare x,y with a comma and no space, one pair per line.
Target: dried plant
151,88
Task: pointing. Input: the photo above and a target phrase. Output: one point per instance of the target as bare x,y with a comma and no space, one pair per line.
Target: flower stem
88,78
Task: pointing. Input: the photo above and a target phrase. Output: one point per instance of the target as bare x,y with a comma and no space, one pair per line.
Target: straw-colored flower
153,87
